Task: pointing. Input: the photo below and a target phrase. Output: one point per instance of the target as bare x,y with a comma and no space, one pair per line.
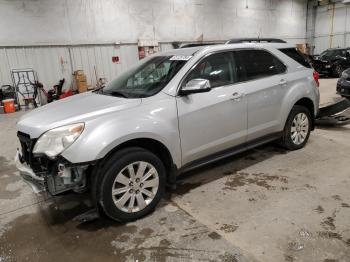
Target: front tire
338,70
133,183
297,128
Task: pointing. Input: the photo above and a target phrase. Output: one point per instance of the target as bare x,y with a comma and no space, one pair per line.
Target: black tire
338,70
286,141
109,172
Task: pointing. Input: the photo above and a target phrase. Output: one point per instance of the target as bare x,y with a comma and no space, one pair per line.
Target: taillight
316,77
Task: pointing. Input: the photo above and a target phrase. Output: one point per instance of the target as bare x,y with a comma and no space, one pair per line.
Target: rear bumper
35,182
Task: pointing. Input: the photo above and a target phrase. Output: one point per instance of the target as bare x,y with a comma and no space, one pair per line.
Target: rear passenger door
265,83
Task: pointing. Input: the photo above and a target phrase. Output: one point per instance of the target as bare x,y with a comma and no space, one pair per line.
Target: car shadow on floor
61,210
228,166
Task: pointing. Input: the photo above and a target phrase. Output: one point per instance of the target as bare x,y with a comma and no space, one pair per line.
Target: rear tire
297,128
132,184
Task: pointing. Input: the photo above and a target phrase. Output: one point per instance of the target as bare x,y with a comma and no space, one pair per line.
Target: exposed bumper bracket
34,181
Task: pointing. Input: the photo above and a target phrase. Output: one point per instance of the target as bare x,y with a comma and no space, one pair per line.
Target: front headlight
56,140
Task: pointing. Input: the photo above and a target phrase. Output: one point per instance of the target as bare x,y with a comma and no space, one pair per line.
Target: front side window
217,68
327,53
254,64
331,53
146,79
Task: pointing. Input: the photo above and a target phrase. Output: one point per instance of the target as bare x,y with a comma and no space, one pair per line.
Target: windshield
332,53
147,78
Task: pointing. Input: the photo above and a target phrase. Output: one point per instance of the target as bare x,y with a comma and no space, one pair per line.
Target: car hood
323,59
74,109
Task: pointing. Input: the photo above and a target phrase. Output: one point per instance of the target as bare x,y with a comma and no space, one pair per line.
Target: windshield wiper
117,93
99,90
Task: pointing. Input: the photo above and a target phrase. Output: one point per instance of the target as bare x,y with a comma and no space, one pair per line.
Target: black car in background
332,62
343,85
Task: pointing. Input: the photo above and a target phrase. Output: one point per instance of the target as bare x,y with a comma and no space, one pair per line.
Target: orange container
9,105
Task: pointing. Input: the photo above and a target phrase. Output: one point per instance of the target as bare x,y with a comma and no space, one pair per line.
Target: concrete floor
264,205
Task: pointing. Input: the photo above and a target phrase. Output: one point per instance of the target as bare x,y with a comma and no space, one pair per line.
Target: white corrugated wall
332,27
55,62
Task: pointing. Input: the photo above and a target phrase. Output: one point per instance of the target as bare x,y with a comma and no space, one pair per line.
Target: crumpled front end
54,176
322,66
343,87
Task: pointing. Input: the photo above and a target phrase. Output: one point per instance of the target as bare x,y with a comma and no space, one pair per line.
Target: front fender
148,135
341,62
155,120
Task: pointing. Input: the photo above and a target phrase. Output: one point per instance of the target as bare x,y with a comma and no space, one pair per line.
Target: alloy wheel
300,128
135,186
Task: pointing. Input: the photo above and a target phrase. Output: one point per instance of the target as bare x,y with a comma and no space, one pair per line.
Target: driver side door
213,121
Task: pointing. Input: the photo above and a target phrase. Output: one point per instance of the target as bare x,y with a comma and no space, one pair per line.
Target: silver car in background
172,112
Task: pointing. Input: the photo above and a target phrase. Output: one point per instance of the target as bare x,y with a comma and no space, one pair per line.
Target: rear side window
255,64
296,55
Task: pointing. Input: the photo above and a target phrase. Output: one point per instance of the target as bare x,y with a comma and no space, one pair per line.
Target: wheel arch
154,146
309,104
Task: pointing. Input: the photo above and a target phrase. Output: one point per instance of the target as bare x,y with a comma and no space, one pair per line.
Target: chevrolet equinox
172,112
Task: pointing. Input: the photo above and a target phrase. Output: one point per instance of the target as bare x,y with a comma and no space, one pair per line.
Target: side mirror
197,85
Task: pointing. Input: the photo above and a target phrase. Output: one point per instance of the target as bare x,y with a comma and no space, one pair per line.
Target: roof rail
255,40
177,45
197,44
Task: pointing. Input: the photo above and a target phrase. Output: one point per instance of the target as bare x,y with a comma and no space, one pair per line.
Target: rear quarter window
296,56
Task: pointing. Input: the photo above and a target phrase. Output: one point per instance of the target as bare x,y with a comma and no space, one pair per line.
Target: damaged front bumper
59,178
343,87
53,175
37,183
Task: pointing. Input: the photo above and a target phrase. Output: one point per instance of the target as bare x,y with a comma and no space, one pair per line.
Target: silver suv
172,112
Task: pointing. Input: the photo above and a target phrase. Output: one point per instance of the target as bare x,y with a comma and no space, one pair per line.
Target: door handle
237,96
283,82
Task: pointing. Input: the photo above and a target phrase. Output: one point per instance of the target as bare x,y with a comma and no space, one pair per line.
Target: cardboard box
304,48
81,78
78,72
80,81
82,87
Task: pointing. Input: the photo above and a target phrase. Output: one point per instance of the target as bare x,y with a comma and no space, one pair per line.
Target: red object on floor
9,105
66,94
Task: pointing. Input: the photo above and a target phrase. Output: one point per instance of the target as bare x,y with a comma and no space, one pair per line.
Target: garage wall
55,37
332,27
55,62
94,21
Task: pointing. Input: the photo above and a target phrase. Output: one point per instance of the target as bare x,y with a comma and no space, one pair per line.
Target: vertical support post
332,27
